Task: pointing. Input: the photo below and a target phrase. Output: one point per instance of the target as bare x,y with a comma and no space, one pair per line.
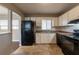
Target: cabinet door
38,21
52,38
63,19
69,16
38,38
60,20
74,13
48,38
55,21
33,19
44,38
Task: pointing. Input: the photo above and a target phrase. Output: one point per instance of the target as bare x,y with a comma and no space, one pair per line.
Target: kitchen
54,28
58,25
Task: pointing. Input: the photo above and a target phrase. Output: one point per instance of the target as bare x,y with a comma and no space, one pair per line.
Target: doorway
16,30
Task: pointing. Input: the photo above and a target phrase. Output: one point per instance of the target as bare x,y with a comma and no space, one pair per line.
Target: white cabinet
33,19
63,19
60,20
74,13
69,16
55,21
38,21
48,38
44,38
51,38
38,38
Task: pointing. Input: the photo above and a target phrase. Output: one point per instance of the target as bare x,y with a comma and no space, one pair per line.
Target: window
15,21
4,19
15,24
4,24
46,24
16,27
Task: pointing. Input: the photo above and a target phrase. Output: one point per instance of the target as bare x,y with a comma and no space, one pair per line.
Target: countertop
65,33
70,35
51,31
44,31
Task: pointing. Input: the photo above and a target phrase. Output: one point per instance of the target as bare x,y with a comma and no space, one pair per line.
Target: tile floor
39,49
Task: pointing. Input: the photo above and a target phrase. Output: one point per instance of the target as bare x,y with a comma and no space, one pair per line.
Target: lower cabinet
69,46
38,38
45,38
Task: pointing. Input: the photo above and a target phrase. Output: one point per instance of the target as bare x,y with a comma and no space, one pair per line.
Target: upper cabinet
38,21
74,13
63,19
54,21
69,16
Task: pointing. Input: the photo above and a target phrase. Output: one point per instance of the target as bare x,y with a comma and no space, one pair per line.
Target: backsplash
70,29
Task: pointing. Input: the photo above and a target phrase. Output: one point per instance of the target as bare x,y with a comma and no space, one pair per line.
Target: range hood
76,21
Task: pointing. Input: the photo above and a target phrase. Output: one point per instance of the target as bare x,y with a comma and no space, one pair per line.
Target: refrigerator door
27,33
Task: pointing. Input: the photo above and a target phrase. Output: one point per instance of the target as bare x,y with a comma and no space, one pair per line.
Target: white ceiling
44,8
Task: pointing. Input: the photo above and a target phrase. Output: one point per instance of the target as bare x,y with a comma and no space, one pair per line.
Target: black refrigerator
27,33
